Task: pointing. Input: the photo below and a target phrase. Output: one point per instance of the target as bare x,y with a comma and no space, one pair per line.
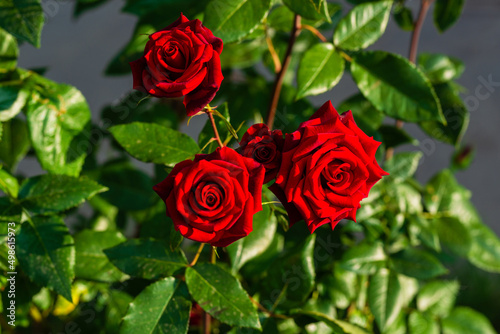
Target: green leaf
150,142
169,9
425,230
221,295
446,13
146,258
464,320
245,249
420,323
46,252
384,297
453,234
367,117
47,194
9,212
402,165
15,143
363,25
417,263
58,117
364,258
333,324
12,99
23,19
408,95
393,136
403,17
437,298
405,196
484,251
444,194
116,309
298,287
83,6
244,54
456,114
129,188
233,20
320,70
310,9
8,52
341,287
91,263
440,68
162,228
160,308
8,184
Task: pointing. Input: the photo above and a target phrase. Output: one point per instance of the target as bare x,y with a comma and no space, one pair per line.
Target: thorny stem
208,111
271,113
424,8
197,256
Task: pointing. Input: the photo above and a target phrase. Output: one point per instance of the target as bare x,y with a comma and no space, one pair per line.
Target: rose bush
328,167
213,198
121,264
181,60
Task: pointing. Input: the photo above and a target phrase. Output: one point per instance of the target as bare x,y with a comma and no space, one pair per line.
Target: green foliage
167,307
154,143
47,253
48,194
320,70
232,20
398,270
363,25
23,19
146,258
221,295
408,96
446,13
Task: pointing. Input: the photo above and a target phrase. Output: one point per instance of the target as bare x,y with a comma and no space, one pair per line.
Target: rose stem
197,255
278,82
214,127
314,31
424,8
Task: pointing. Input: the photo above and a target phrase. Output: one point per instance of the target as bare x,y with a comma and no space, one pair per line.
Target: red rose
328,167
181,60
213,198
263,146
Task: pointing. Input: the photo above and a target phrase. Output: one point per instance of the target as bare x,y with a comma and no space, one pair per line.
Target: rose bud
263,146
213,198
181,60
328,166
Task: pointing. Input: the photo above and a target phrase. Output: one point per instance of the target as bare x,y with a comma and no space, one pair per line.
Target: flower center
264,153
336,175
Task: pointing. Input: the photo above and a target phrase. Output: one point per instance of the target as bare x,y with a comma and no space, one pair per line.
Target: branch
214,127
274,54
314,31
424,8
278,82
